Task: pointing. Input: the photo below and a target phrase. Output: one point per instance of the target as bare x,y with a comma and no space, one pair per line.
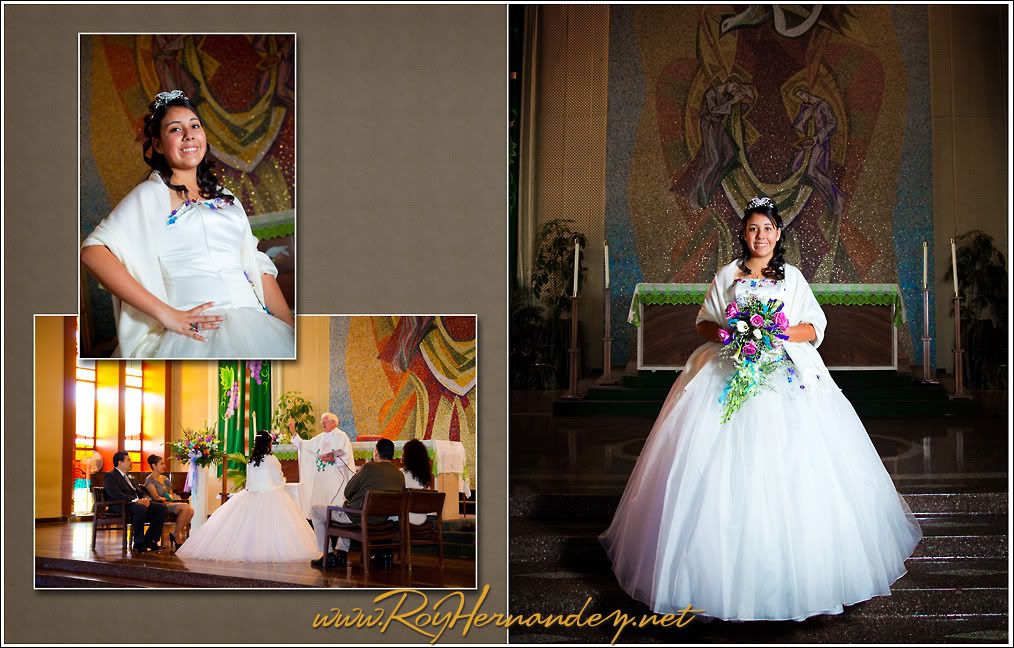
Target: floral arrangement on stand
196,447
753,343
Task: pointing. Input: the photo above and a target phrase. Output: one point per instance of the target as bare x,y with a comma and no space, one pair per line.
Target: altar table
862,323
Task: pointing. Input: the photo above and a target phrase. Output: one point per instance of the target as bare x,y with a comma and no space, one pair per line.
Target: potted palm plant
983,277
540,318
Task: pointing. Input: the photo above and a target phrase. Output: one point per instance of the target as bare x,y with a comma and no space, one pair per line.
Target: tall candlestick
577,263
925,263
607,262
954,267
253,423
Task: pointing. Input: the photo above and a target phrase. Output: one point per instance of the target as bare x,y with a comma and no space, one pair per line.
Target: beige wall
194,402
968,90
48,415
310,374
571,113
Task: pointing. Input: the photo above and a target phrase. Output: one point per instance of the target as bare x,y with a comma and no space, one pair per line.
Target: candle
253,419
925,262
577,263
954,267
607,263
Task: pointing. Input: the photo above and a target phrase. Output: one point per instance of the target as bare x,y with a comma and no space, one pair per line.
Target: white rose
757,333
742,326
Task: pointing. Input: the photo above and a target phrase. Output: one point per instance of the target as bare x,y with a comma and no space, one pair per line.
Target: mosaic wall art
823,109
405,377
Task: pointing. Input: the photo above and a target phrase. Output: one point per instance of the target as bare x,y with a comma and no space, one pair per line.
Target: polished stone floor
953,472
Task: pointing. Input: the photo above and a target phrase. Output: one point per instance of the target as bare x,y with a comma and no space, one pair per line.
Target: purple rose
781,320
757,321
724,335
749,349
731,310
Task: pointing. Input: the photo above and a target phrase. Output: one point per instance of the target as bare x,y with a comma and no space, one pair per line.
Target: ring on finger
195,327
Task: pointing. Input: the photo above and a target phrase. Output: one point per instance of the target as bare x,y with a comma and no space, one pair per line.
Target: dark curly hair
776,265
416,461
207,181
262,446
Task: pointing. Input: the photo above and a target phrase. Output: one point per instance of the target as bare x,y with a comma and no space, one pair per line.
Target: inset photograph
353,467
187,196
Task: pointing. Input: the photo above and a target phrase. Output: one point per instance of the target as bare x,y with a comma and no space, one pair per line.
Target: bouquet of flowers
198,446
753,342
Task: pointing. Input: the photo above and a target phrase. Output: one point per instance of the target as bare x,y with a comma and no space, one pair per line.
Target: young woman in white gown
784,512
179,257
260,523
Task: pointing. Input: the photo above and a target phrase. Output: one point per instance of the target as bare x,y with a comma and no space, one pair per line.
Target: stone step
859,392
839,629
891,408
527,503
948,615
575,544
555,592
63,579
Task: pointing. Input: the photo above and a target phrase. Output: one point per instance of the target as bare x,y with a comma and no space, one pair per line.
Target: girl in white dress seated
261,523
179,257
782,512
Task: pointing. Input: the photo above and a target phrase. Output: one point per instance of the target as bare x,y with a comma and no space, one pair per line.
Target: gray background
401,207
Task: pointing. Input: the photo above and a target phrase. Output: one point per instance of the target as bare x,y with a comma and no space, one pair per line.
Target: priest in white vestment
326,464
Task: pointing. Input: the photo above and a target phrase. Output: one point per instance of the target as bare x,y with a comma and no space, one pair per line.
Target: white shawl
800,306
134,232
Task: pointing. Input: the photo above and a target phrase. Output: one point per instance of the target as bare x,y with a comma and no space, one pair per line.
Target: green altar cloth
834,294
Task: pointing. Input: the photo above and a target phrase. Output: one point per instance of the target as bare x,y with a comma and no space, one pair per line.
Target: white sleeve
262,261
713,310
810,311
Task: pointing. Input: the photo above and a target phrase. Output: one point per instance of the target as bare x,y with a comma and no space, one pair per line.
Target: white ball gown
202,251
259,524
201,262
782,513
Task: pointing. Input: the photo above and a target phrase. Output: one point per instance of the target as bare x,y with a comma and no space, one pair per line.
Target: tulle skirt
782,513
245,334
254,526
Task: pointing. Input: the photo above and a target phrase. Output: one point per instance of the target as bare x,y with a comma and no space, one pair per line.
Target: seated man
118,485
379,474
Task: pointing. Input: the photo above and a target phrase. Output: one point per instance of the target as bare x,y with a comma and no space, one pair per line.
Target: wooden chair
381,533
430,532
107,519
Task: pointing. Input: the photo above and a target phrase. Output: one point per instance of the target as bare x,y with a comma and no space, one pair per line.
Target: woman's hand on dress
709,330
189,322
802,332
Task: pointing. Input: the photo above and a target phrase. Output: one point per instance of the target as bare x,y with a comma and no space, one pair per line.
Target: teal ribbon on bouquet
753,342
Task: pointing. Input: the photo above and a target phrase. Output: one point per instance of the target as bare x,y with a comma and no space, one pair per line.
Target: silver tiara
760,201
163,98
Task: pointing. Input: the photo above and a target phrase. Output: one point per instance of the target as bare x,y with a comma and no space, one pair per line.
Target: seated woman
159,487
418,469
260,523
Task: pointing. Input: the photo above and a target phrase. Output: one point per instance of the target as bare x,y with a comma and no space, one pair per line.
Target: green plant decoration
236,474
982,277
293,407
553,271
